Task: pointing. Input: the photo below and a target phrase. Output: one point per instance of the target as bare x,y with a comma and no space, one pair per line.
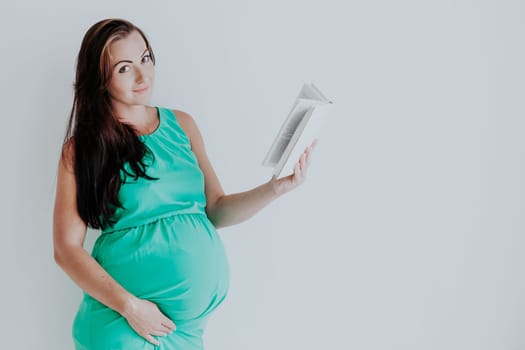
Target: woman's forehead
129,48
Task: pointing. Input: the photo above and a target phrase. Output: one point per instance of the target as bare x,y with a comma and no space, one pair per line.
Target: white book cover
302,125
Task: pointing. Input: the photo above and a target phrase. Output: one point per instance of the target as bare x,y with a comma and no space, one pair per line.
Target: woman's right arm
69,232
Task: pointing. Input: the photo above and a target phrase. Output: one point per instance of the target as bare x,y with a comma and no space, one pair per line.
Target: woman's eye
145,59
121,70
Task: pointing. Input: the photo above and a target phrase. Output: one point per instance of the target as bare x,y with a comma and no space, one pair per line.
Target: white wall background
407,234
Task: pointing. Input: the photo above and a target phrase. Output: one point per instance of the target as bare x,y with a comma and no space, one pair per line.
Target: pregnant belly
177,262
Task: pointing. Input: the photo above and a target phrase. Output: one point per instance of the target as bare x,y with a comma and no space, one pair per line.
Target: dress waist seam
152,220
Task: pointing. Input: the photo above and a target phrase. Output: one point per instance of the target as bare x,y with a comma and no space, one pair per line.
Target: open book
298,131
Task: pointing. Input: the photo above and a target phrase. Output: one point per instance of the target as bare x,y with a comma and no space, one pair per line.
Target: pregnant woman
140,174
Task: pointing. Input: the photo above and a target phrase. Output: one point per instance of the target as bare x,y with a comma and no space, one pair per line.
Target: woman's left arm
226,210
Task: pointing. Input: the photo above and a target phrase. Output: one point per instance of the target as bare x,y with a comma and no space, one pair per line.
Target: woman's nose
139,75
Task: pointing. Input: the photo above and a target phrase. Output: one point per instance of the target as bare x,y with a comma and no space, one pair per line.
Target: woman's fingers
297,169
169,324
305,162
308,155
309,151
152,340
170,328
160,333
287,183
148,321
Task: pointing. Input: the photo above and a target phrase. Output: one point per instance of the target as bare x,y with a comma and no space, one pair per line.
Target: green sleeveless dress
163,248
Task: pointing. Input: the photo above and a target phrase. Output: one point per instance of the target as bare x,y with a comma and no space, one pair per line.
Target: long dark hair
101,144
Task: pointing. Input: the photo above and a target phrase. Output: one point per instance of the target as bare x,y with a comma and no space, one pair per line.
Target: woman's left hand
288,183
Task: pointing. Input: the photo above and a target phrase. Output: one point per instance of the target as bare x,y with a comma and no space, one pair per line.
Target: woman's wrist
276,186
128,305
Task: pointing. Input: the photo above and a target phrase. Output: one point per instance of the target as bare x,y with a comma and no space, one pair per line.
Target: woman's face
133,72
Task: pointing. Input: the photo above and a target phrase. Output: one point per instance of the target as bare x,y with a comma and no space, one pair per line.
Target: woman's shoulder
187,122
182,116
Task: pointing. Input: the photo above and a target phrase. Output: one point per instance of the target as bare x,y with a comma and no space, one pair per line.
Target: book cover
302,125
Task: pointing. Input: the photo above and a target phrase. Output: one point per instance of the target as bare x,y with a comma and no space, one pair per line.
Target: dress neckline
158,126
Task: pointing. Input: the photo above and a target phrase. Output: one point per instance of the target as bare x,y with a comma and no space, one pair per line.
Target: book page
287,130
303,139
310,102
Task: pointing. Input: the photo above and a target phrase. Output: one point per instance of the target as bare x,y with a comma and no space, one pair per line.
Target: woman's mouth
142,90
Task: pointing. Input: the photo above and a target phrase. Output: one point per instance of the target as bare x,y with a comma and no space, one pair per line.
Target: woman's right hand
147,320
